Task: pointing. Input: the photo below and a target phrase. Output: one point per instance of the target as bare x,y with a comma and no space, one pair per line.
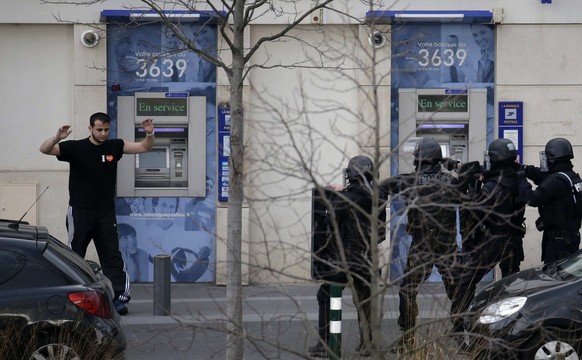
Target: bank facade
336,87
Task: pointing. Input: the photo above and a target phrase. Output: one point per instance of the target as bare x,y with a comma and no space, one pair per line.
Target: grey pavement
280,321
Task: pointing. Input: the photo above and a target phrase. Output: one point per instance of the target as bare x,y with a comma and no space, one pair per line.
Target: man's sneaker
120,307
318,350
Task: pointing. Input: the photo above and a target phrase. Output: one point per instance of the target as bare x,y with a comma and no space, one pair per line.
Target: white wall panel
538,55
549,111
515,11
306,129
18,201
36,68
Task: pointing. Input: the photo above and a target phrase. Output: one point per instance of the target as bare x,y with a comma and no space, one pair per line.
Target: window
10,264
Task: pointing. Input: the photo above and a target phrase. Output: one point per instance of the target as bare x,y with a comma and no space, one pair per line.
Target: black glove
468,176
478,184
450,164
519,167
523,186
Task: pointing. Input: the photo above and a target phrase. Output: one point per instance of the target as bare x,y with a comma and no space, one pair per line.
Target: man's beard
97,140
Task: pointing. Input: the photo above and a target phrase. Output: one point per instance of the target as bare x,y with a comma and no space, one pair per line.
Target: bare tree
357,65
233,24
307,145
234,18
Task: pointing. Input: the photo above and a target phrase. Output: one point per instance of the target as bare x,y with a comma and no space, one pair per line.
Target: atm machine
176,165
456,118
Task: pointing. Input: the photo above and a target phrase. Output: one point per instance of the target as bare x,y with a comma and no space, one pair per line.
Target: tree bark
234,335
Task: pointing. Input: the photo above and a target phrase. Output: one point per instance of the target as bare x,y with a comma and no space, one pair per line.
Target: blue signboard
150,58
223,152
455,57
511,124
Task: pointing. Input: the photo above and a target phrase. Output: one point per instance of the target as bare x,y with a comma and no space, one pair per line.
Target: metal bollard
335,322
162,285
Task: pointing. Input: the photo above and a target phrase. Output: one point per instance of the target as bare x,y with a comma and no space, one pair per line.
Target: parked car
53,303
533,314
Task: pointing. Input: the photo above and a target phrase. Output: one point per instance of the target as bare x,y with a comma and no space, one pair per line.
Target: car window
570,266
73,265
10,264
36,272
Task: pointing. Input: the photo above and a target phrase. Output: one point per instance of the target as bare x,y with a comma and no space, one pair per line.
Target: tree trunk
234,327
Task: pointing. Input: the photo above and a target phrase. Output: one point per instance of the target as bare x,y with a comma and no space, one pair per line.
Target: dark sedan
53,303
533,314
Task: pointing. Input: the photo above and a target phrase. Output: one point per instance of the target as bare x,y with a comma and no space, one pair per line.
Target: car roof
22,230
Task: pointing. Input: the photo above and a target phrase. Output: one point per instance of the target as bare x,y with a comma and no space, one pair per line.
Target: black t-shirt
93,172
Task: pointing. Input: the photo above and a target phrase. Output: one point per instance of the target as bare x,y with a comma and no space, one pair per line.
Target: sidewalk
280,321
195,303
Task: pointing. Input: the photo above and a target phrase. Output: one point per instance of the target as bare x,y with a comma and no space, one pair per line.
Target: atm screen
156,158
445,150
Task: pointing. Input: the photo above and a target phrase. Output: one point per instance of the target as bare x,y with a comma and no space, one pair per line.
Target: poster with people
182,228
439,55
148,57
435,56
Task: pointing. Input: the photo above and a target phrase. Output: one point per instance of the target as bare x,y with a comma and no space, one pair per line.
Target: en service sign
154,107
443,103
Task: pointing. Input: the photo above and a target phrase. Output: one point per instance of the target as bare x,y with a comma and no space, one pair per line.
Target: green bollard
335,322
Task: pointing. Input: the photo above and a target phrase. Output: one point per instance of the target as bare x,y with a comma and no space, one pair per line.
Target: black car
533,314
53,303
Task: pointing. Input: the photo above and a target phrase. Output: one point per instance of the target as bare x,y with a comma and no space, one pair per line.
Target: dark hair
126,230
157,199
103,117
489,26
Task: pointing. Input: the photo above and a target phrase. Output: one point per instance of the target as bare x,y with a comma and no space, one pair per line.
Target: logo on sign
511,114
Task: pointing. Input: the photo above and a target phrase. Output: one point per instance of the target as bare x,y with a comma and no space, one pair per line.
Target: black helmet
428,150
360,167
502,149
559,148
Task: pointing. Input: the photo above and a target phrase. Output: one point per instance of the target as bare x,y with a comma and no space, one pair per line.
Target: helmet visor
543,161
486,161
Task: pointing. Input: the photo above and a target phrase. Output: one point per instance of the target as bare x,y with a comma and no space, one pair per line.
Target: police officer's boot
405,343
318,350
362,349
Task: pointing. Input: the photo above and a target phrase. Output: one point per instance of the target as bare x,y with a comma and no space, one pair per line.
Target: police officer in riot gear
501,153
431,197
348,251
492,225
553,198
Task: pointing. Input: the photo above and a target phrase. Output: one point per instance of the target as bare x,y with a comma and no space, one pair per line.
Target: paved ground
280,322
204,302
